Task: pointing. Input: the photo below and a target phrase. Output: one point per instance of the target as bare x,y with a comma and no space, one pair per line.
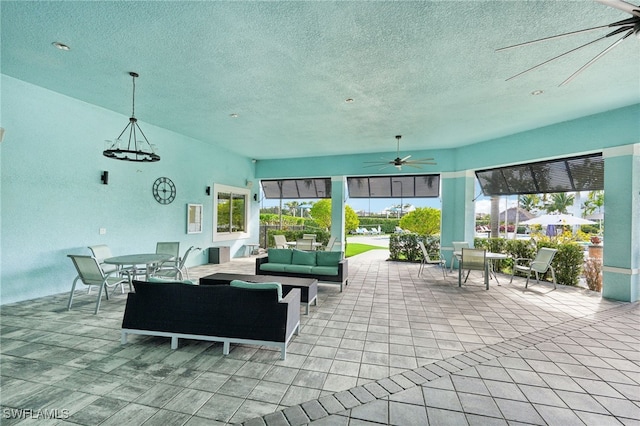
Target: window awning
405,186
584,173
297,188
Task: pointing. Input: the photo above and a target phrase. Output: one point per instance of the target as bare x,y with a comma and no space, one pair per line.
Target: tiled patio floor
392,348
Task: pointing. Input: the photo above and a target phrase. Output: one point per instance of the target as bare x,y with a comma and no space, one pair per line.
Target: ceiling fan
627,26
399,162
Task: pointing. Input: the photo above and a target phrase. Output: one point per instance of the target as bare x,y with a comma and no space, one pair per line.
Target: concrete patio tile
557,415
519,411
505,390
439,398
479,404
620,407
438,416
407,414
376,411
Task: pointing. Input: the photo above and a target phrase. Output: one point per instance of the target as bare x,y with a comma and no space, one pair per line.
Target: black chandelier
135,149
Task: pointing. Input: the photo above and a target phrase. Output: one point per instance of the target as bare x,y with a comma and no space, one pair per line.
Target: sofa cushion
324,270
298,269
274,267
328,258
301,257
258,286
279,256
169,280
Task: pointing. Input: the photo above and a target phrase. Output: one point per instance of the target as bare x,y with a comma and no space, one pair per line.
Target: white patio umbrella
557,219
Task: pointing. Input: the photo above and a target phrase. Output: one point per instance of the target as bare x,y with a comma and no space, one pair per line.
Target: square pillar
458,210
338,200
621,254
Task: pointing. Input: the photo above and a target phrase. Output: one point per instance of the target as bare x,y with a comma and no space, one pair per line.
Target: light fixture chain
133,107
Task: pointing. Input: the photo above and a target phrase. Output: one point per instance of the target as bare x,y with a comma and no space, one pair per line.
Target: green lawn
357,248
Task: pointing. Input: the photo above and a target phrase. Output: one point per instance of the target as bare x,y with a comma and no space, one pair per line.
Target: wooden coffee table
308,286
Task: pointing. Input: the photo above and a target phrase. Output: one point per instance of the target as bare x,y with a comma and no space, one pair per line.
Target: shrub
405,246
567,263
593,273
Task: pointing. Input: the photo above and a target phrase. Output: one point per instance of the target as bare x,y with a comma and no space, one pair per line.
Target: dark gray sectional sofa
216,313
325,266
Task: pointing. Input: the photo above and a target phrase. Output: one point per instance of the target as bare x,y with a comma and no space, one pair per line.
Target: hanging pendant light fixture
135,150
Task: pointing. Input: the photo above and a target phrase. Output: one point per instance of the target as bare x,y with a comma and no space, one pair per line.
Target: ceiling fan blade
423,159
412,165
402,160
526,43
622,5
432,163
553,59
598,56
375,164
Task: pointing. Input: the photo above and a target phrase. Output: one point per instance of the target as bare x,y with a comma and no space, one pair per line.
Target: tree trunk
495,216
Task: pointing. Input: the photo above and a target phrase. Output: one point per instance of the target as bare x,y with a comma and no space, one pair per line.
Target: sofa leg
225,348
283,352
123,338
174,342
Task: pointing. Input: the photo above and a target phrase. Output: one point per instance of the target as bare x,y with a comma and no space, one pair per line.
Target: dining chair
172,249
91,274
540,265
179,272
330,244
304,244
280,241
102,252
457,248
473,259
427,259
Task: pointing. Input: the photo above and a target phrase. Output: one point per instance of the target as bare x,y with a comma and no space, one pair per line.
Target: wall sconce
255,197
104,177
249,183
208,190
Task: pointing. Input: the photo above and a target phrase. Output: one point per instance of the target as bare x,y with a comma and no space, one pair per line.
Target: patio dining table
490,258
135,260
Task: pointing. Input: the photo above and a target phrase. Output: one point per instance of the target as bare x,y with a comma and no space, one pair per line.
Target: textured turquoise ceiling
427,70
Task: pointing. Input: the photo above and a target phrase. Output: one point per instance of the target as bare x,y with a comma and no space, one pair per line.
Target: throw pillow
258,286
329,258
279,256
301,257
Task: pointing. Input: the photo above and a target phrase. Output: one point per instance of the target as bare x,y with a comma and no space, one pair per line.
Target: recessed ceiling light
349,100
537,92
234,115
61,46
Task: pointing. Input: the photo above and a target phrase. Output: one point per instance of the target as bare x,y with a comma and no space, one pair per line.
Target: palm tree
559,202
530,202
595,202
293,207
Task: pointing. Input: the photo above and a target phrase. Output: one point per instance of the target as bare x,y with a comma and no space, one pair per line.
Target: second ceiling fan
399,162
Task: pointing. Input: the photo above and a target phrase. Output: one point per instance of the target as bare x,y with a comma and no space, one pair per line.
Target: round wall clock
164,190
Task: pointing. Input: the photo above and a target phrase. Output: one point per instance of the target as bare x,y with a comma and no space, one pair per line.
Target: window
230,213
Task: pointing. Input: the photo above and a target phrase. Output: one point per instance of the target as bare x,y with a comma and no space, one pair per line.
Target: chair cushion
298,269
328,258
169,280
324,270
279,256
274,267
259,286
301,257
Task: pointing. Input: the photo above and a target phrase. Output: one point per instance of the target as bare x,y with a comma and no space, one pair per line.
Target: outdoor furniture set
245,313
325,266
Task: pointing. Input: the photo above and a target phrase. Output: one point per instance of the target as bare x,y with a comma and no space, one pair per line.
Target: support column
338,198
621,260
458,210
